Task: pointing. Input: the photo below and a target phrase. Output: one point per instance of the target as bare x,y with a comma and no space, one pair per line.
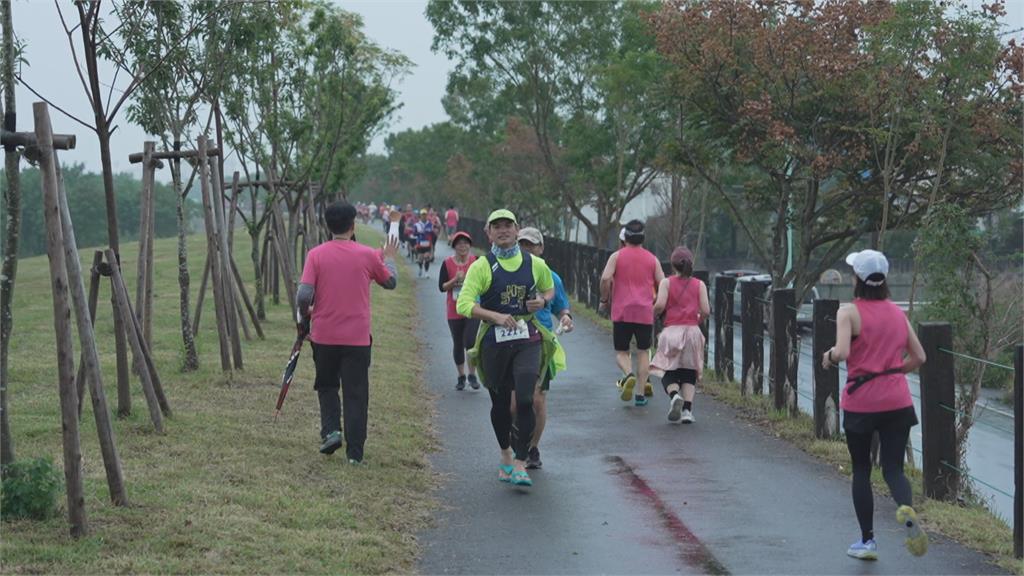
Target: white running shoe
675,409
687,417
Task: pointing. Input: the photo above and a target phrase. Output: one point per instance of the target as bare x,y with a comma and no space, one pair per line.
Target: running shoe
686,417
331,443
863,550
626,384
533,459
461,384
648,389
354,462
917,540
640,400
675,410
473,382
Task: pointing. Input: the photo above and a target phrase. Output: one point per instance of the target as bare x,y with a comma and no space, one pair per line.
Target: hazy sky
397,24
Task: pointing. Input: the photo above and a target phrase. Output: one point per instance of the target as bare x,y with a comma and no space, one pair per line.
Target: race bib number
424,243
520,332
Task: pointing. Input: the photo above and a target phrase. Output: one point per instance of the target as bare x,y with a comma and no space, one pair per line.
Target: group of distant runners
506,310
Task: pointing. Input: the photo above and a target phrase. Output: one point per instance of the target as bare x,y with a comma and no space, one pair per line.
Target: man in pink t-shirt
337,276
631,278
451,220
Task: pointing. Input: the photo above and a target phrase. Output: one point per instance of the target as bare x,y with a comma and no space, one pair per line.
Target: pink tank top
635,286
683,306
879,346
453,267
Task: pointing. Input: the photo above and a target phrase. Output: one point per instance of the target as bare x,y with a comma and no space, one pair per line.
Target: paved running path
623,491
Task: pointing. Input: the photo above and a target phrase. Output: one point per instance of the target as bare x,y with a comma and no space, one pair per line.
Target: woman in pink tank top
875,339
679,360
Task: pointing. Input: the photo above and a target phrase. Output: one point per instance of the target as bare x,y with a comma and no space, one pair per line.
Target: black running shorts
624,332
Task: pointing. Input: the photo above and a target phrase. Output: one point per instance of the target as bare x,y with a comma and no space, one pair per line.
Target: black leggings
463,337
893,430
507,368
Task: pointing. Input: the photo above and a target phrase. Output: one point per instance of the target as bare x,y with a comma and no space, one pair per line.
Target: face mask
504,253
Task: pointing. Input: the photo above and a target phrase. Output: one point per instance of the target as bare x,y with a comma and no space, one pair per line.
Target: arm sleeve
478,280
442,277
561,301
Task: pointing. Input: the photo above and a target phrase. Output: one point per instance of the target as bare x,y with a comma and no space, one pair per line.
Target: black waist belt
865,378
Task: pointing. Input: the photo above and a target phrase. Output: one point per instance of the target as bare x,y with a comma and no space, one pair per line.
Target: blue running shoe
863,550
640,400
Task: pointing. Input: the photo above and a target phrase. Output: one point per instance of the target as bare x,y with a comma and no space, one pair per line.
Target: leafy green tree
585,76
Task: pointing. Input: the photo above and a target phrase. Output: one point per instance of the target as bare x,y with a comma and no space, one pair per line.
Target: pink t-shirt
340,272
879,346
451,217
635,285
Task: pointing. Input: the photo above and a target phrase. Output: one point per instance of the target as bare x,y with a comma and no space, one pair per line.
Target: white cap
868,262
622,234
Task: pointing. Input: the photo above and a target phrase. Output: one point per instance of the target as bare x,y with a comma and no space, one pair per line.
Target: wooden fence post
724,288
702,275
1018,451
61,324
783,371
938,417
752,319
826,382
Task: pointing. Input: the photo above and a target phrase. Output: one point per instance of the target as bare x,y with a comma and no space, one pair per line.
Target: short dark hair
635,232
340,217
865,292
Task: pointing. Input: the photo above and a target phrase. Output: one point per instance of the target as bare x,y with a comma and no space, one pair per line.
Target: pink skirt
679,347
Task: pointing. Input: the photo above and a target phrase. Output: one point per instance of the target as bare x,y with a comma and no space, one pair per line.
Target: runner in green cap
504,290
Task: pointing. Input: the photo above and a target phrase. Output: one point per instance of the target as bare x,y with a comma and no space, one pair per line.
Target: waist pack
865,378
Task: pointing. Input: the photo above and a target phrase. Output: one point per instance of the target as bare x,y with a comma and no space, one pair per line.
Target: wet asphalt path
623,491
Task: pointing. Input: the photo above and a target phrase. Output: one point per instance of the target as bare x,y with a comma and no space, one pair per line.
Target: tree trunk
191,362
12,211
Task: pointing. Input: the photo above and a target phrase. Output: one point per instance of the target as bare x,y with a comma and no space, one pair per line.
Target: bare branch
74,54
58,108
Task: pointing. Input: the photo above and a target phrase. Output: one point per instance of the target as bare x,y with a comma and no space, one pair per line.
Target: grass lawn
972,525
224,490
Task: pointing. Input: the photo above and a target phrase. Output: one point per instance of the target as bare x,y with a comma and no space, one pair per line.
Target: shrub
30,489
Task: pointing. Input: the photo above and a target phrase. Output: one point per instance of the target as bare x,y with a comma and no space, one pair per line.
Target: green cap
500,214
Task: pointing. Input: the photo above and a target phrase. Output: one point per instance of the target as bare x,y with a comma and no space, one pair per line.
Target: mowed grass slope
224,490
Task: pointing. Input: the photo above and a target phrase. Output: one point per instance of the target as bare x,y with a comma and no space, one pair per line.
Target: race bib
520,332
455,293
425,243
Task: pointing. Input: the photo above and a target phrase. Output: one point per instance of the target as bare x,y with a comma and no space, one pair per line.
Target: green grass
972,525
225,490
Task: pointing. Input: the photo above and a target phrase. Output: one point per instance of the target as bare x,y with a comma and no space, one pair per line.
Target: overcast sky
397,24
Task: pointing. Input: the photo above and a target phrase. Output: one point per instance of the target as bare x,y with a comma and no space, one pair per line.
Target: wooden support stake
224,255
124,394
147,356
87,342
134,340
212,251
145,241
752,325
94,296
201,296
61,324
826,382
245,299
938,416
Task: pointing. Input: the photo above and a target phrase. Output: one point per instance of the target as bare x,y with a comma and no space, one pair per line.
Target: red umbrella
289,373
